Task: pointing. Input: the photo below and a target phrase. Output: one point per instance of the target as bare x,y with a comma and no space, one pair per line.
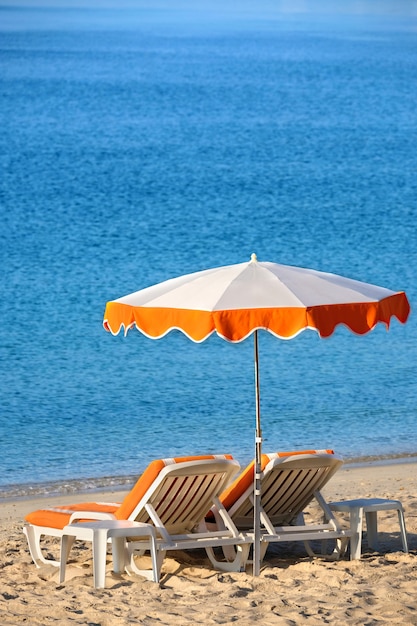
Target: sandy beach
292,588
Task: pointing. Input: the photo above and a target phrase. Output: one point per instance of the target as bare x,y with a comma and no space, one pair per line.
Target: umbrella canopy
235,301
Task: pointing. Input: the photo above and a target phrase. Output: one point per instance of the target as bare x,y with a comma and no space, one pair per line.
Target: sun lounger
173,495
289,482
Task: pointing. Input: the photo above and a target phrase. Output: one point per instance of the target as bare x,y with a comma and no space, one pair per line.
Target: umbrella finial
253,257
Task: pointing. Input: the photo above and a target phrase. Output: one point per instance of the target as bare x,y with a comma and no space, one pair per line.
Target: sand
292,589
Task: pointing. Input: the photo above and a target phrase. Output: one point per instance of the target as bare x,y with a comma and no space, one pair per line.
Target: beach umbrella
236,301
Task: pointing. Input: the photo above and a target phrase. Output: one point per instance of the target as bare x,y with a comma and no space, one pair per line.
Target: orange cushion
59,516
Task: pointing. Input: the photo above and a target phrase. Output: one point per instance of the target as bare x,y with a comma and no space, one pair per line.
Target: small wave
57,488
381,459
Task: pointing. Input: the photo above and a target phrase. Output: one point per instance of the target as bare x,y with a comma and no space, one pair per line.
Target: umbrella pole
257,475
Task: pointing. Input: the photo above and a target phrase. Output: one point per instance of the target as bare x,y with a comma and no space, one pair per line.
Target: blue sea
141,141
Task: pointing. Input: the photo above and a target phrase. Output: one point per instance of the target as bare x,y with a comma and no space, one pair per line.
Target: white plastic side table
369,506
99,532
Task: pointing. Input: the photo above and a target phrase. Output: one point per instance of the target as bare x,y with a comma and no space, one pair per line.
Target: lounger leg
240,560
33,537
157,557
229,552
339,550
356,517
119,550
402,530
372,529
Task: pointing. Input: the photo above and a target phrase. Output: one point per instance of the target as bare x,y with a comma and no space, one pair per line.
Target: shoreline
110,484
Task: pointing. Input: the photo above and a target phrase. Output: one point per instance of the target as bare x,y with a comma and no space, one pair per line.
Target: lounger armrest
90,515
222,517
217,522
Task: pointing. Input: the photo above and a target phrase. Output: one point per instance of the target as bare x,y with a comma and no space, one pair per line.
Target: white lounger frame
175,504
288,485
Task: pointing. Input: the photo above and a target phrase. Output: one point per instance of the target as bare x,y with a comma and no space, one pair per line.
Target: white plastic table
369,506
99,532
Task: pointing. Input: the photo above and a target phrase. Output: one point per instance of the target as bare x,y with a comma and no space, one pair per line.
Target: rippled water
139,145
